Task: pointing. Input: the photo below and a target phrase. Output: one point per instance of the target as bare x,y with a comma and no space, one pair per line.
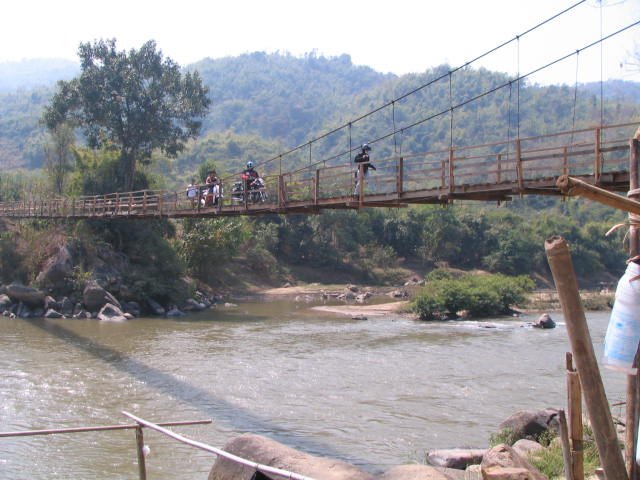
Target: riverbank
538,301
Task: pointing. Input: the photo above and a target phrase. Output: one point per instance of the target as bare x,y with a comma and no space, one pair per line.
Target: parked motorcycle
257,191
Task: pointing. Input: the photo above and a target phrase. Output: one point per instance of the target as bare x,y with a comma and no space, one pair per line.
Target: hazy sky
398,36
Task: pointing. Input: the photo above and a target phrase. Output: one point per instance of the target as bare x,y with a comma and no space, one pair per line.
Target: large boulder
544,321
111,313
271,453
524,447
5,301
531,424
28,295
413,472
57,270
458,458
503,463
95,297
156,308
192,305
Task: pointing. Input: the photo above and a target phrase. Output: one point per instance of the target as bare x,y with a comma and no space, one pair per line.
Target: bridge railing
513,165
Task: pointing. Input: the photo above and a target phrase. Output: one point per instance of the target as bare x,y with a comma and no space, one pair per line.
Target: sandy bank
366,310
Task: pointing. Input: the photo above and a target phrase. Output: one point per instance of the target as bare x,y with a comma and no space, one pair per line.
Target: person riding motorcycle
249,176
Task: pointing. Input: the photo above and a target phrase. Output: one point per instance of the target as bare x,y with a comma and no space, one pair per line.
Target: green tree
137,101
59,154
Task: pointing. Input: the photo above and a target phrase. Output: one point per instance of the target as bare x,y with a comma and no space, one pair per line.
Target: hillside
285,101
31,74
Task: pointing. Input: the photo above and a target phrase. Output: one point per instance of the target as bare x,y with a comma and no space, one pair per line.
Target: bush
481,296
550,461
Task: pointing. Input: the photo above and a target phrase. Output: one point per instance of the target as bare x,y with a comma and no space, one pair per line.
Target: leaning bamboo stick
561,265
101,428
574,187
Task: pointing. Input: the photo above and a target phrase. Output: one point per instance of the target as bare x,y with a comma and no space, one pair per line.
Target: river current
375,393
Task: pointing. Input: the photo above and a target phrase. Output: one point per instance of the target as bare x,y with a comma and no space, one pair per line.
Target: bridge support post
597,170
519,171
452,180
400,177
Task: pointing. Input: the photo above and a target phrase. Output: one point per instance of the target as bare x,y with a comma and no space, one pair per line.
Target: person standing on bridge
192,192
213,182
363,163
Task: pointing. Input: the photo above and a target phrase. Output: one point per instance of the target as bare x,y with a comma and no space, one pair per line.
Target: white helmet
365,147
249,164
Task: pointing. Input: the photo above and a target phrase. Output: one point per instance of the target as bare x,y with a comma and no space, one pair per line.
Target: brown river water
375,393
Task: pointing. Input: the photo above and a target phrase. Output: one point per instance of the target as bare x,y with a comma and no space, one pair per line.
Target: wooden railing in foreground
138,428
141,423
258,467
489,172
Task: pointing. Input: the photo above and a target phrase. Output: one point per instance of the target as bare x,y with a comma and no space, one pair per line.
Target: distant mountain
263,104
619,89
279,95
35,73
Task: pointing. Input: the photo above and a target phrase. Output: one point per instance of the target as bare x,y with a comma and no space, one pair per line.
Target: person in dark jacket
362,158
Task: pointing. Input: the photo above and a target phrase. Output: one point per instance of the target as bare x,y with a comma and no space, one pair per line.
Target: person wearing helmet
249,176
362,158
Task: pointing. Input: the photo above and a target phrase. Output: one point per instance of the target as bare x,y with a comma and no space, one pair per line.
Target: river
375,393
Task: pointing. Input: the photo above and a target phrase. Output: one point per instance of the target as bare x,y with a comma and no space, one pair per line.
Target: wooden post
316,187
499,168
597,169
361,182
519,169
566,448
565,161
595,397
574,404
142,468
631,417
452,180
280,190
400,179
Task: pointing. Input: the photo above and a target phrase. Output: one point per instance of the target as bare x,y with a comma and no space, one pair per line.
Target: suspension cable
492,90
431,82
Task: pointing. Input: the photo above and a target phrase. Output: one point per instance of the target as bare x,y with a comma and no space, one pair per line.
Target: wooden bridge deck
491,172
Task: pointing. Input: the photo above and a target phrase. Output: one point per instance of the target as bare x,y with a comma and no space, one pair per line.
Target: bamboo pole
101,428
574,402
574,187
142,467
631,417
595,397
207,448
566,448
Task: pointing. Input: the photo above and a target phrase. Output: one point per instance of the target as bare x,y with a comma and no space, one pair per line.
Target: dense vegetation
447,297
263,104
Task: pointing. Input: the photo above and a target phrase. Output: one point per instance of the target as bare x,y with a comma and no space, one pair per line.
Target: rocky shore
500,462
96,302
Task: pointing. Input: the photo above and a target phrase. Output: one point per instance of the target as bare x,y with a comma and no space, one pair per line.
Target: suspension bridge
498,171
490,172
